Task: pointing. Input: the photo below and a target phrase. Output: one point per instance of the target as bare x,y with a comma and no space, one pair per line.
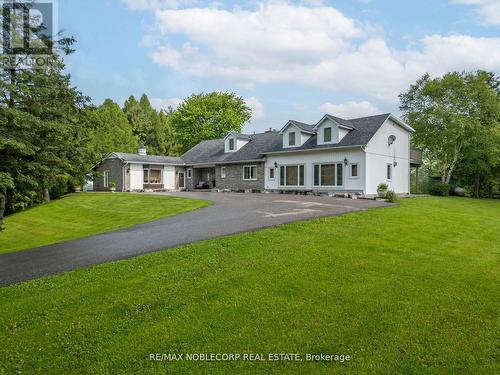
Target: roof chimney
142,150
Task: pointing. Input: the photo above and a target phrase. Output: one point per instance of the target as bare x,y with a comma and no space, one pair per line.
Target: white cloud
488,10
350,109
159,104
256,106
280,42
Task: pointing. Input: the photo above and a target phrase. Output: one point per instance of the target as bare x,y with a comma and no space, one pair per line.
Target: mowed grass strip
406,289
85,214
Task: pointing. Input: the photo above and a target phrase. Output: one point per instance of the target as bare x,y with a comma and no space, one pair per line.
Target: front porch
204,177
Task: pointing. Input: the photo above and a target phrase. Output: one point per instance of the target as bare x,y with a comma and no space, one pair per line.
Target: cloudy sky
288,59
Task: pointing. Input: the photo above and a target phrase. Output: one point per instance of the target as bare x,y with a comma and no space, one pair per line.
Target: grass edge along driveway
84,214
405,289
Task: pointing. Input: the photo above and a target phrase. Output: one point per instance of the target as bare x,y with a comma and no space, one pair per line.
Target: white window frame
161,176
294,138
255,176
106,179
183,180
298,175
222,172
148,180
229,142
388,169
331,134
274,173
335,163
357,170
189,173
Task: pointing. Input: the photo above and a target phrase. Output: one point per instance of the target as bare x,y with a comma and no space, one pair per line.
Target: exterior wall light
346,161
275,165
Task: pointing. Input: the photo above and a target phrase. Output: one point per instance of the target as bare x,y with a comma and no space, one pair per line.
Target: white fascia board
401,123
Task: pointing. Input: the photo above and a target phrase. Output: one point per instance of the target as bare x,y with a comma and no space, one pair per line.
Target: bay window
152,176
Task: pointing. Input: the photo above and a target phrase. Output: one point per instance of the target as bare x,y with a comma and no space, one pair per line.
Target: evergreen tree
113,132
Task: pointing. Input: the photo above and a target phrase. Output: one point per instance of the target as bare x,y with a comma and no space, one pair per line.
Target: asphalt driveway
231,213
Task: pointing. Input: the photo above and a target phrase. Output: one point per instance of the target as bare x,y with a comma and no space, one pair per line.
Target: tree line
51,134
456,119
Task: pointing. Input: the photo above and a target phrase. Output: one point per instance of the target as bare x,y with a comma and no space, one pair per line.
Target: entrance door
182,181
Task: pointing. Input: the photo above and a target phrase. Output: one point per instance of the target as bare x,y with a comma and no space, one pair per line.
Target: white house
333,155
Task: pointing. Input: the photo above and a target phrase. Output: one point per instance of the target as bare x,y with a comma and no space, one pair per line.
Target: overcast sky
288,59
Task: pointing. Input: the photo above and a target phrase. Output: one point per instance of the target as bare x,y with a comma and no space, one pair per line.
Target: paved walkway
231,213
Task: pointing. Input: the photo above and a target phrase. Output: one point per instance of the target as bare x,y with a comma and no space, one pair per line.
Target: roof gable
337,120
304,128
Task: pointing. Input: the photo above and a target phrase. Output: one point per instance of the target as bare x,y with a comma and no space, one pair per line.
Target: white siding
337,132
238,143
379,154
321,134
342,133
300,137
169,177
310,158
136,177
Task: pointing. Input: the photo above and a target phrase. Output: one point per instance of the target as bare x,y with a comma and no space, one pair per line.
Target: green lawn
406,289
80,215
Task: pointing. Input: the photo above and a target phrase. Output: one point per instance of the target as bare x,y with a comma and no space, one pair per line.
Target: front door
182,181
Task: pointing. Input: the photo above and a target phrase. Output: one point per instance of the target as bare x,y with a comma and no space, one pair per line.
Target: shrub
112,184
440,188
382,186
391,196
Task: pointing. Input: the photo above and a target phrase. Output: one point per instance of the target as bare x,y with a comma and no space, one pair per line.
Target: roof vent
142,150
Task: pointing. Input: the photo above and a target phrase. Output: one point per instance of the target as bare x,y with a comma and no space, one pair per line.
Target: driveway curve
231,213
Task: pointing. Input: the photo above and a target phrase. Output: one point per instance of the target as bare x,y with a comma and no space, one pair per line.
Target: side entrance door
182,180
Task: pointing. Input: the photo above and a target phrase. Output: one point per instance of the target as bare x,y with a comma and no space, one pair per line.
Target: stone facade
115,168
234,177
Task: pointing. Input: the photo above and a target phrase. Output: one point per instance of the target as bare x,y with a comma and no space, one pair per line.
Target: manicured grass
406,289
81,215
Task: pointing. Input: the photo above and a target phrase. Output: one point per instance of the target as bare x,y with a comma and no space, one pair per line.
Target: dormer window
291,139
231,144
327,134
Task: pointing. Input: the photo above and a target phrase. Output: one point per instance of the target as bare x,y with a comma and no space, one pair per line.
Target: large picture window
328,174
292,175
249,172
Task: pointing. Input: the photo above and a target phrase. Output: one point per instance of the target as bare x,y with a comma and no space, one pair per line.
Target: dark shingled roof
303,126
150,159
212,151
363,130
208,152
240,135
